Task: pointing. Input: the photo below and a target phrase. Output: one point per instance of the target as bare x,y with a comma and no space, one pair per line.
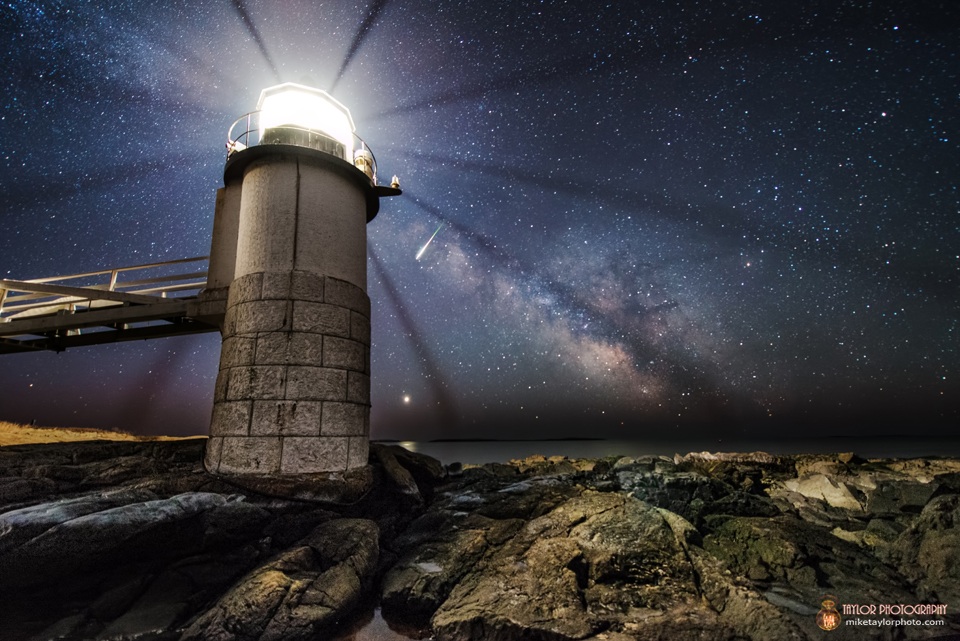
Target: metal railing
245,132
105,288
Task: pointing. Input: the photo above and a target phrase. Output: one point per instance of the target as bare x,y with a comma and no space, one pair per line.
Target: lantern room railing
246,132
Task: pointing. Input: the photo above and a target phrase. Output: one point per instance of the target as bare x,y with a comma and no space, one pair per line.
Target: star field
695,217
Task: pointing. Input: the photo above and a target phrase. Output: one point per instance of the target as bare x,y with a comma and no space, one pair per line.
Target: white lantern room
294,114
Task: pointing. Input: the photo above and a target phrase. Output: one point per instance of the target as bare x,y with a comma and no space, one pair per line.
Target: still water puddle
371,626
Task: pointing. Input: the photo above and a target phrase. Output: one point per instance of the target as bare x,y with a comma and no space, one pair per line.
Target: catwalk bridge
108,306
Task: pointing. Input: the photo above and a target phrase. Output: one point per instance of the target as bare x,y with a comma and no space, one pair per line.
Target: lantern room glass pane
299,115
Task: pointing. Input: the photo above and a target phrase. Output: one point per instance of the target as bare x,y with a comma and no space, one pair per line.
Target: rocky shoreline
116,541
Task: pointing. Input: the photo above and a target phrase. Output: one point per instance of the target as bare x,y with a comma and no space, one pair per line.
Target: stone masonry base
293,391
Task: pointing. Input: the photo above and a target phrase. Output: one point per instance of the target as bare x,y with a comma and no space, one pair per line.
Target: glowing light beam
247,20
427,244
368,22
446,404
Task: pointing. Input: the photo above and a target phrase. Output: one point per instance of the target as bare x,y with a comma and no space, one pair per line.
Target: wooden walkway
122,304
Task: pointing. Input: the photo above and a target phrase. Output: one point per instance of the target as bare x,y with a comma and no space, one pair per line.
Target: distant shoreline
479,451
513,440
485,450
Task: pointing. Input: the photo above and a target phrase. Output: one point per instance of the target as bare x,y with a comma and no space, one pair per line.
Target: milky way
713,217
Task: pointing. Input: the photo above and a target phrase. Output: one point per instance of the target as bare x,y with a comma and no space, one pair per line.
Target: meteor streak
427,244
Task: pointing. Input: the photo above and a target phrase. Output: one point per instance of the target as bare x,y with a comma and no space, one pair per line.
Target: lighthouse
288,257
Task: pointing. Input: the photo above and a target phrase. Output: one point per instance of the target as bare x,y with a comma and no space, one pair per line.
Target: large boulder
41,472
827,489
569,573
928,552
17,527
795,562
441,548
688,490
301,594
463,524
597,565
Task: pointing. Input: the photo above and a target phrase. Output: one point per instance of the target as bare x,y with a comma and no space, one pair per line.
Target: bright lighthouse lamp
301,116
295,114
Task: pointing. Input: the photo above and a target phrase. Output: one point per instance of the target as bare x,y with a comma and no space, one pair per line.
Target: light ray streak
247,20
430,367
361,35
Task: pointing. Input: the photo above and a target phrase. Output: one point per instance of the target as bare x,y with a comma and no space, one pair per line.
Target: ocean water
478,452
372,627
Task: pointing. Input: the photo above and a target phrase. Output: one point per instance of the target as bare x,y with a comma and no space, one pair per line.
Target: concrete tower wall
295,214
293,392
223,246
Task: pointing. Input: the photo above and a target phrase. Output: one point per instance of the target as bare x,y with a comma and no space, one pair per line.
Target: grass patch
18,434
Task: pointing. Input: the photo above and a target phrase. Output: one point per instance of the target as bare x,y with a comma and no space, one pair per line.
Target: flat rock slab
54,541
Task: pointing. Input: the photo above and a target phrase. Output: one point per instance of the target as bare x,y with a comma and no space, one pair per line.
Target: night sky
657,217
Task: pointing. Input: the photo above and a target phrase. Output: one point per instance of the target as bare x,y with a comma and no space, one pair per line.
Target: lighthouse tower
289,257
